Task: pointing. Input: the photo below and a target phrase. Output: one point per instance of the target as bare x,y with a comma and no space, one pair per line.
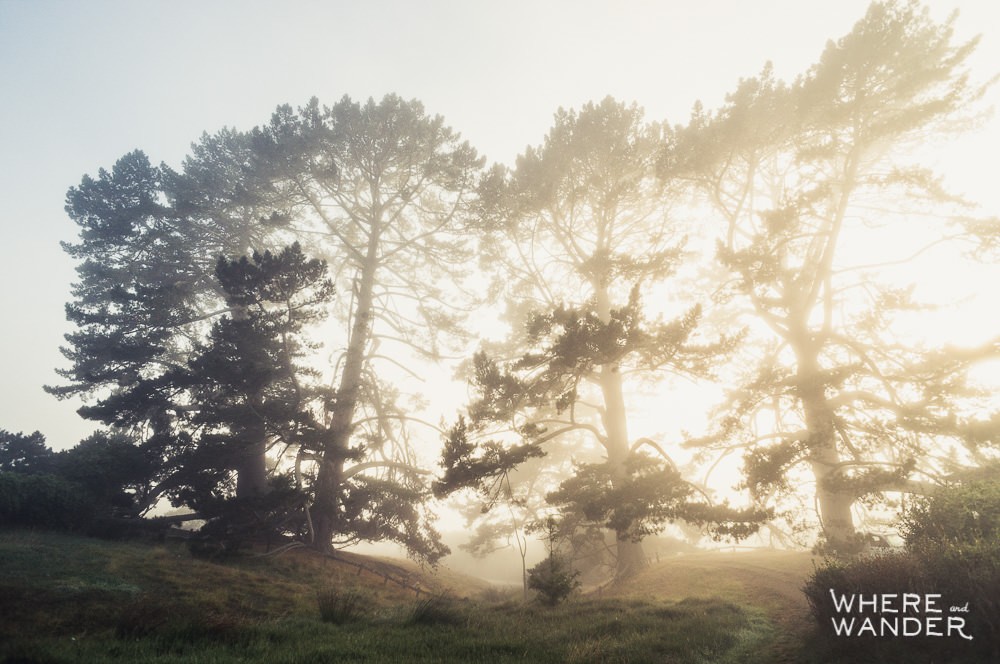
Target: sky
83,83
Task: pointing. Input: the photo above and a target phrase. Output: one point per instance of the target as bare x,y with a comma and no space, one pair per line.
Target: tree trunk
824,456
251,470
251,464
630,558
330,477
835,512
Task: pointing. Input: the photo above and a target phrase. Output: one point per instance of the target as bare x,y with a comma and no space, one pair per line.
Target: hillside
65,598
770,580
773,579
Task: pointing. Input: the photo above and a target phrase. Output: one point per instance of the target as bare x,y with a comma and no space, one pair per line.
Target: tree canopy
582,229
246,324
796,174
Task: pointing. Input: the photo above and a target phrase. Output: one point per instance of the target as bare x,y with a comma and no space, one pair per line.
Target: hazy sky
82,83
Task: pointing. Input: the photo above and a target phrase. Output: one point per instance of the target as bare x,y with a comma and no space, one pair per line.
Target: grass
67,599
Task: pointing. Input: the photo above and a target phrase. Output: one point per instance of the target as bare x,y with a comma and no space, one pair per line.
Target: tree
147,290
388,191
381,191
249,390
798,173
553,578
24,453
582,229
204,424
508,499
101,480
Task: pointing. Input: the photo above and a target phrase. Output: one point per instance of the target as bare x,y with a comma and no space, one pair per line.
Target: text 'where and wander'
896,614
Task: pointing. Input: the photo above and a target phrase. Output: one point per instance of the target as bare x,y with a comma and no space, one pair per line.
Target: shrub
553,578
44,501
956,535
885,572
340,605
960,515
435,610
952,550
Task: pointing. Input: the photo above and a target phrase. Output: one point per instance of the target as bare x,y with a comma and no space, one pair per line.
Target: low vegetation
952,554
72,599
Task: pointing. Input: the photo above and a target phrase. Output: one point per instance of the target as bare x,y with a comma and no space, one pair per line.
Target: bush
887,572
44,501
553,578
234,523
956,536
340,606
435,610
959,515
952,550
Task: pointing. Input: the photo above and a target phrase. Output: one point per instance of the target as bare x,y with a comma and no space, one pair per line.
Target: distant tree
115,475
104,477
581,229
797,173
24,453
500,513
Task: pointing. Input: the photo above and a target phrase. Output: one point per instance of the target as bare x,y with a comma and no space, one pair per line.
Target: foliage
387,190
577,234
951,550
554,578
963,514
235,522
45,501
797,174
192,317
480,464
115,474
20,453
954,533
247,380
102,479
377,509
436,609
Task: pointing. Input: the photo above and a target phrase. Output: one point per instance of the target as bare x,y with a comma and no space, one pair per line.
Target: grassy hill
768,580
69,599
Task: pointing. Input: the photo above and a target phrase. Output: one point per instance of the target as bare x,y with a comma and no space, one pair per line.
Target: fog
495,289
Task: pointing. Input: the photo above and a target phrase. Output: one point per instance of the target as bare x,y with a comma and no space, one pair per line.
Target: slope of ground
771,580
52,569
70,599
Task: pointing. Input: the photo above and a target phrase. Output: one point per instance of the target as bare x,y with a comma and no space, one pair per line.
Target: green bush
961,515
882,573
44,501
553,578
956,536
952,550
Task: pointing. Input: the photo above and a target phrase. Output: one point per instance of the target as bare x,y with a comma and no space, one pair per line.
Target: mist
666,317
